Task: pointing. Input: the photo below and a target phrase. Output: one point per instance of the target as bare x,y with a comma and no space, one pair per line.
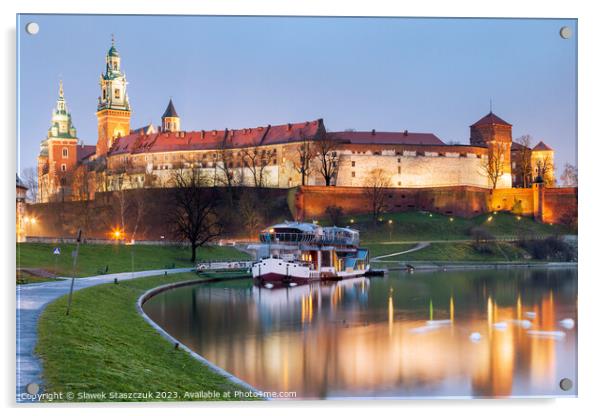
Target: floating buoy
525,324
292,284
567,323
423,329
269,285
438,322
500,326
475,337
530,315
547,334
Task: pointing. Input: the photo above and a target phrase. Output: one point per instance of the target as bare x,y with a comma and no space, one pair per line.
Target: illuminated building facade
264,156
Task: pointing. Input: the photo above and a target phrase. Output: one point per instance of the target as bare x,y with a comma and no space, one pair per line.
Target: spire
61,93
170,111
112,50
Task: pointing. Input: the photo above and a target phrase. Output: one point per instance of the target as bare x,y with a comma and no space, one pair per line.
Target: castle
280,156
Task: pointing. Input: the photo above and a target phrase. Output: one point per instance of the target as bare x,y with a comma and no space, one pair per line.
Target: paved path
417,247
31,301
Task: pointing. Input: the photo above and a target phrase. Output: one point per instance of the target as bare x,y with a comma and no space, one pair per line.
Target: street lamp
117,234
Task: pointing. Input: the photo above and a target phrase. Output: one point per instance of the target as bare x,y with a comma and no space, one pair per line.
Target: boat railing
276,237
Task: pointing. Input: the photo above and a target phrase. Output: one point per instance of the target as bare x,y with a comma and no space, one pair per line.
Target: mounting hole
566,384
32,388
32,28
565,32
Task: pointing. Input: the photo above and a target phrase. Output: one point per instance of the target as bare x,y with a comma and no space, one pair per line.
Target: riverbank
426,226
105,345
96,259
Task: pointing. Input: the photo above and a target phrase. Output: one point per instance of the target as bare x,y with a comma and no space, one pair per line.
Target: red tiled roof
542,146
381,137
490,119
517,146
215,139
85,151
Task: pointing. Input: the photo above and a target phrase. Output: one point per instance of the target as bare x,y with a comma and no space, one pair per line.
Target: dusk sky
388,74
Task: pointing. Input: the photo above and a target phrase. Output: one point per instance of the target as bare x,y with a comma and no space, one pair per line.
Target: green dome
113,52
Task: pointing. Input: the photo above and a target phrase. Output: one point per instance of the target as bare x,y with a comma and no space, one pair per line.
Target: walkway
417,247
31,301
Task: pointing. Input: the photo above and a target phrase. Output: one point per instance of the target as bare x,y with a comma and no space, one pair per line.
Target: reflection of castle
269,155
354,338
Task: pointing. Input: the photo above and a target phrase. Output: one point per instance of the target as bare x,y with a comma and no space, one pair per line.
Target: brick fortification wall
560,204
98,217
463,201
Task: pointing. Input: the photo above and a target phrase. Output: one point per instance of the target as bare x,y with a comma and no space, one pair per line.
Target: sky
388,74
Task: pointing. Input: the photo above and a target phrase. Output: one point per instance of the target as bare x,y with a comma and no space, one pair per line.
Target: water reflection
404,335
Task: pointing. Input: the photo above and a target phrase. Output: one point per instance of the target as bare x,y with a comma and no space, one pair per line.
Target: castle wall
412,171
465,201
559,204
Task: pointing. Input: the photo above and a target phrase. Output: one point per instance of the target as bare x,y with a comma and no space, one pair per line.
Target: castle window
65,153
104,94
353,163
117,94
63,168
353,174
398,170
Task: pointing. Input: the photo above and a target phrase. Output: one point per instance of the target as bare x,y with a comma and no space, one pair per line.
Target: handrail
276,237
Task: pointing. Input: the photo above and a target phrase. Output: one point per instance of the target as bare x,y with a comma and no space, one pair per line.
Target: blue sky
423,75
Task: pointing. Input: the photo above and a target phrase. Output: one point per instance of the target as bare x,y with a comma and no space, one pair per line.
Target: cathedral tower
170,119
114,111
58,151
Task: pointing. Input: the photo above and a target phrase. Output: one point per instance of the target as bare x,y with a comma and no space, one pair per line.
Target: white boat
302,252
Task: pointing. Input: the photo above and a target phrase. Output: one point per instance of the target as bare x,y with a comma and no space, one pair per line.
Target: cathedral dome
113,51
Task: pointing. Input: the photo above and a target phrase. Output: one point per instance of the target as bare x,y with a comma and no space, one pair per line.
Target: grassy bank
453,252
96,259
104,345
25,278
423,226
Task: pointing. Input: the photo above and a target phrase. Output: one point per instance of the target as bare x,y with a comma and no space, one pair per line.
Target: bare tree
569,175
326,153
493,166
249,210
545,168
256,160
80,185
375,188
302,164
226,169
194,215
524,169
30,178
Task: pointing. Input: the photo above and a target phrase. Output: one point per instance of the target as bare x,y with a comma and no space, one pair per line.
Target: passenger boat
303,252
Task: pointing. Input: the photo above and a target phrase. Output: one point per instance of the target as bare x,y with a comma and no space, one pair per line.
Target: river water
404,335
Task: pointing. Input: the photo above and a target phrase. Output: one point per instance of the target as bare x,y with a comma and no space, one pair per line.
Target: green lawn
423,226
93,259
24,278
377,249
104,345
454,252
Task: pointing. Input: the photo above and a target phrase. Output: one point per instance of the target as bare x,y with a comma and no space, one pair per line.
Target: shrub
551,249
483,240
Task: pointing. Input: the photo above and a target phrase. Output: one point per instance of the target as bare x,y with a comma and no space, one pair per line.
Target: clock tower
114,110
